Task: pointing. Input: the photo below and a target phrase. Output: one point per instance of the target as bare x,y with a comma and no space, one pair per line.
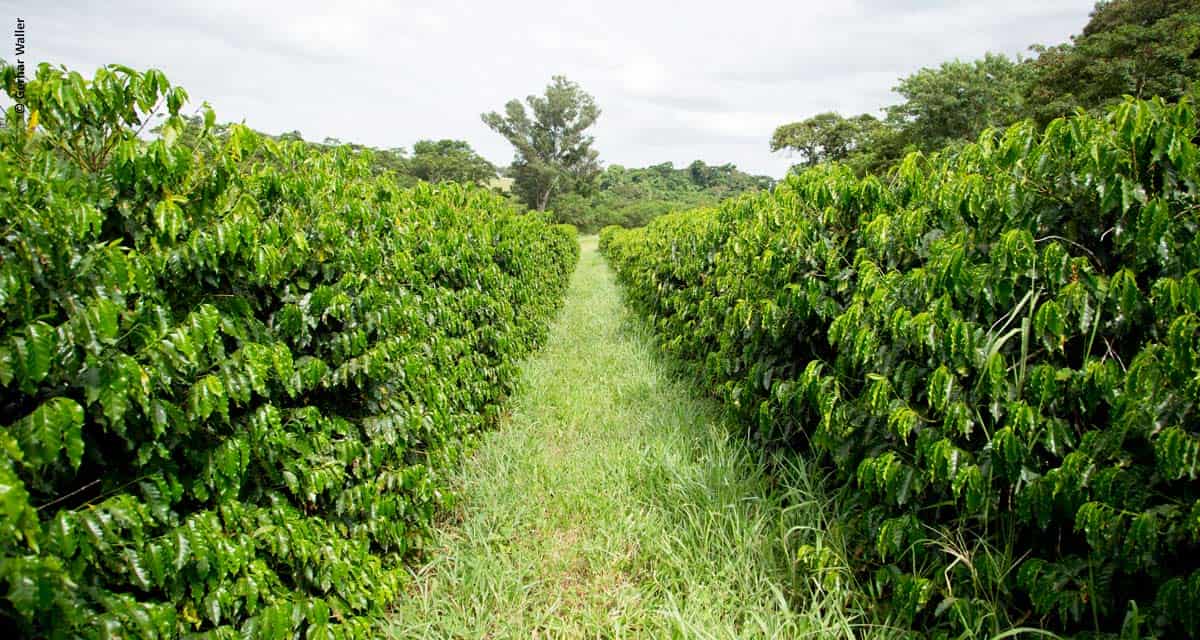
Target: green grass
615,503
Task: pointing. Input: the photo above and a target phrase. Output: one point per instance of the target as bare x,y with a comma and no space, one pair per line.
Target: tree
825,136
958,100
392,161
449,161
1141,48
554,154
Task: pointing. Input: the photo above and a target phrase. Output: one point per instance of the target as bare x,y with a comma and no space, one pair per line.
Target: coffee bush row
995,351
234,371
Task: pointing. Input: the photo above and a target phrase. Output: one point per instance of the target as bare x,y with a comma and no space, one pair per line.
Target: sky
675,81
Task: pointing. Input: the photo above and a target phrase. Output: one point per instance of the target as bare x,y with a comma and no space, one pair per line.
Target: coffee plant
234,371
995,351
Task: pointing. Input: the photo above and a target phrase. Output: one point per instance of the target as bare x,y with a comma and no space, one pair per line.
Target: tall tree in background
958,100
1141,48
554,154
449,161
825,136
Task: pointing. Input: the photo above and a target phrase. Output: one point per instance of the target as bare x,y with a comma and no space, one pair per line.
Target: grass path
614,504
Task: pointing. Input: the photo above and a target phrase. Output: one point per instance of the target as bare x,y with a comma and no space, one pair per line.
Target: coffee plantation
995,351
234,371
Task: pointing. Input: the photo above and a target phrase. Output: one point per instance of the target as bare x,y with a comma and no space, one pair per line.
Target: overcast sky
675,80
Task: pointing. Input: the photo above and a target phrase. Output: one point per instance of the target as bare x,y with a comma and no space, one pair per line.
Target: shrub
233,370
996,351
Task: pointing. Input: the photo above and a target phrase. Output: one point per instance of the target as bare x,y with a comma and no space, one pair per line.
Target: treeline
234,370
633,197
1141,48
433,161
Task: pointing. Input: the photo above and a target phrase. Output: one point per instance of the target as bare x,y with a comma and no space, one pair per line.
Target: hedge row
234,371
995,351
